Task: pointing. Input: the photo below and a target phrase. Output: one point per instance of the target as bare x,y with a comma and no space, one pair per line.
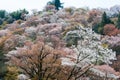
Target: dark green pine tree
105,20
2,13
118,22
58,4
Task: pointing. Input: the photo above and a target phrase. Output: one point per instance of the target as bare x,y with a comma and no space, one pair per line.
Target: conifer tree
118,22
2,13
56,3
105,20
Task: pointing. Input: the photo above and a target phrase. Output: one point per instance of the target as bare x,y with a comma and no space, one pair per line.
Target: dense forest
60,43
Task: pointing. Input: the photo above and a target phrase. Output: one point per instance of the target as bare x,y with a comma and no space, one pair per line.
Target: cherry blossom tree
90,46
38,61
88,50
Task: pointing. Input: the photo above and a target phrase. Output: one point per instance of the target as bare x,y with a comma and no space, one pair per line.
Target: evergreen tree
105,20
118,22
2,13
18,14
56,3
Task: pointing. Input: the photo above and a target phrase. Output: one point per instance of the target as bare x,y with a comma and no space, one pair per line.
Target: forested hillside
59,44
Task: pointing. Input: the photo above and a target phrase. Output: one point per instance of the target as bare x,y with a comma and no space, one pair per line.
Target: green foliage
116,49
118,22
3,69
56,3
2,16
10,17
18,14
98,28
1,21
3,24
72,39
2,13
105,20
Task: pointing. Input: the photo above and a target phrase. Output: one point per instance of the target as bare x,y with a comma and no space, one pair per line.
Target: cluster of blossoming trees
55,46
